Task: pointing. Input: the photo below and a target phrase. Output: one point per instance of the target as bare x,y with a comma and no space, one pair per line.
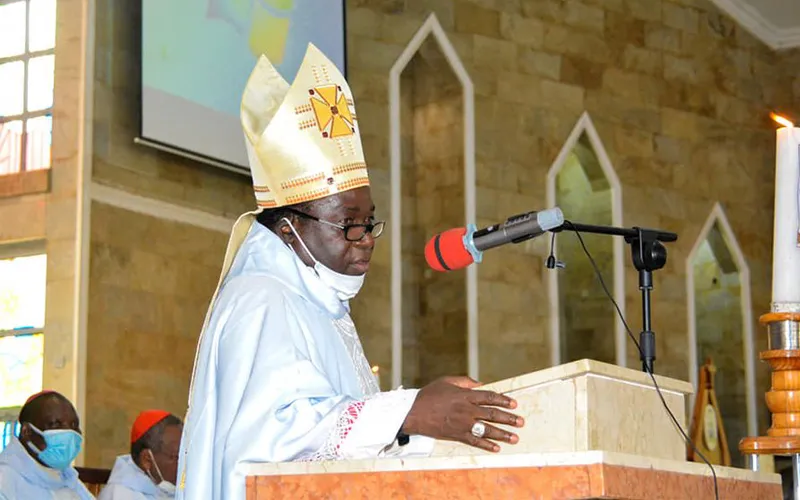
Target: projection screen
197,55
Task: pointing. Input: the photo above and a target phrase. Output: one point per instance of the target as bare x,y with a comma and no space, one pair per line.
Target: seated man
280,373
38,464
150,469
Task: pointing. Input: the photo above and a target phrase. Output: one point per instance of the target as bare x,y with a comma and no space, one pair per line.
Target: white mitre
302,140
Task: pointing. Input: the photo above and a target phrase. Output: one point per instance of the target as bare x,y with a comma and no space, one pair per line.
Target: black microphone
457,248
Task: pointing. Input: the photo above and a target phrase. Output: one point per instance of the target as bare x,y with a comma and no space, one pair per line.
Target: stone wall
679,95
433,201
586,315
31,209
151,280
719,338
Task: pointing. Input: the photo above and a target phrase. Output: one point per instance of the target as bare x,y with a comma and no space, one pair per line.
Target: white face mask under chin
164,486
346,287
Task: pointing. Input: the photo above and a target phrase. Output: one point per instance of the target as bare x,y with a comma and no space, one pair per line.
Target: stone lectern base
592,430
563,476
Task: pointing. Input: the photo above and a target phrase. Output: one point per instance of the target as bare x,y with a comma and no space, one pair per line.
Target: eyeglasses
352,232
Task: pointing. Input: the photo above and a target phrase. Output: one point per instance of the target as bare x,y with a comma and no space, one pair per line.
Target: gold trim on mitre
303,141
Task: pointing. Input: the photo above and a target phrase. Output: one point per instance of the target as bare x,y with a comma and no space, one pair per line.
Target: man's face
167,457
54,413
328,243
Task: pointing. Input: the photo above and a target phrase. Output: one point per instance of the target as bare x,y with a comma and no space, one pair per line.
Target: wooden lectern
593,430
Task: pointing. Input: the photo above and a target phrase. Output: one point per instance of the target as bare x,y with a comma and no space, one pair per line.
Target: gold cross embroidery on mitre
331,111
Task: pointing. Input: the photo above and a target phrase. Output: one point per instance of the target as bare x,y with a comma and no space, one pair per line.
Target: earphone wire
610,296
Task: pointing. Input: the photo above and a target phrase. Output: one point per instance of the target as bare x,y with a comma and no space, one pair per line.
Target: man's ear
146,459
25,431
285,231
27,434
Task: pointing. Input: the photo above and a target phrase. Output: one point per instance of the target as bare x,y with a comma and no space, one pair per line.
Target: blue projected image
198,54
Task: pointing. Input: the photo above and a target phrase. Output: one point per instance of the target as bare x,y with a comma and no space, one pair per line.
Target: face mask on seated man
38,464
280,373
148,472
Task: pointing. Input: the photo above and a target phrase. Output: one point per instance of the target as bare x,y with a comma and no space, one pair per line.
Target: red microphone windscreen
446,251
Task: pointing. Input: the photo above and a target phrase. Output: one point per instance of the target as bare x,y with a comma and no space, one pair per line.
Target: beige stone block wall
719,327
31,209
151,281
587,327
679,95
432,182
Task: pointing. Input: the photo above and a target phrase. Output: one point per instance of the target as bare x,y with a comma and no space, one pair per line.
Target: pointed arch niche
721,325
583,183
431,125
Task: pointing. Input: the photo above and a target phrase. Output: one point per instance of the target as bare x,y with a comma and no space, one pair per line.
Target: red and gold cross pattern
332,111
310,147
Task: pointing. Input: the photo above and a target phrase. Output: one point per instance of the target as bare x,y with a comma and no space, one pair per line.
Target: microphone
457,248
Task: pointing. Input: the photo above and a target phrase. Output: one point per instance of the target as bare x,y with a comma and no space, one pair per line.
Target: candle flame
376,369
780,119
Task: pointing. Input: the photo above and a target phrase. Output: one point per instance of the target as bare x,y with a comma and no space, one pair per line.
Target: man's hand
448,408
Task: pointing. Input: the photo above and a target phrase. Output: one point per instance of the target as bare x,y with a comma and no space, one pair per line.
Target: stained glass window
22,302
27,52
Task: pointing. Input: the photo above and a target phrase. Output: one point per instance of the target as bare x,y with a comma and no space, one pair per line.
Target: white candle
785,251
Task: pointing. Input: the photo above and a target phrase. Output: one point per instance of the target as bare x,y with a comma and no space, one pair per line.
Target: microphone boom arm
625,232
648,254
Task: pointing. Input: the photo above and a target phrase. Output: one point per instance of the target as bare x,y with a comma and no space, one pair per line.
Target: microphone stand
648,254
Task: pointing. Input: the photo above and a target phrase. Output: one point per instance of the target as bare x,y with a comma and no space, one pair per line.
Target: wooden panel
93,479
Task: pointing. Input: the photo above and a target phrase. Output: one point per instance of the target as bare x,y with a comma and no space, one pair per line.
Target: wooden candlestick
783,398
